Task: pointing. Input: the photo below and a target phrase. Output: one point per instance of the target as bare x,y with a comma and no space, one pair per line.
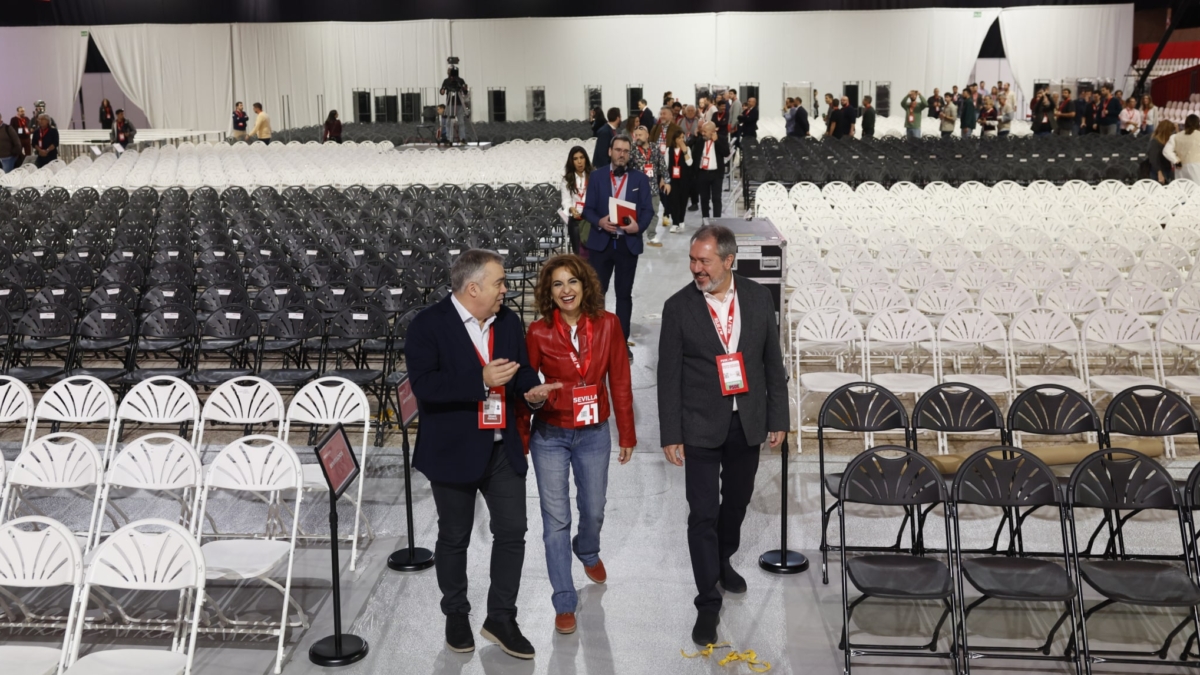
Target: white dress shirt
479,336
709,152
722,307
570,197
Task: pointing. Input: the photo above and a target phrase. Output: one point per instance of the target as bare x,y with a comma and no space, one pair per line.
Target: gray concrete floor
640,621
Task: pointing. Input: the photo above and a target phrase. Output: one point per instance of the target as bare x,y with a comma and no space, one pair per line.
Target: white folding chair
165,559
16,407
1139,297
1161,274
976,275
156,462
1048,338
1178,335
875,297
976,336
896,335
1114,335
267,467
79,400
940,298
326,402
828,335
1007,298
161,400
918,274
244,401
37,553
1072,296
61,461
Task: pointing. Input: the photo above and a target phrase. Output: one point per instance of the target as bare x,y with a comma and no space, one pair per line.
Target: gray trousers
654,201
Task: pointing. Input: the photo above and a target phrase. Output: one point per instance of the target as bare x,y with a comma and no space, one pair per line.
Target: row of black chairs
1116,483
400,133
1047,410
887,161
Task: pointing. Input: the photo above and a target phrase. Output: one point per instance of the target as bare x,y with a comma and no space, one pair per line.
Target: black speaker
429,114
387,108
497,105
362,107
410,107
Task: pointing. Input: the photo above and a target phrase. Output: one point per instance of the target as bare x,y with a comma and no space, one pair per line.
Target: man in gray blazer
722,392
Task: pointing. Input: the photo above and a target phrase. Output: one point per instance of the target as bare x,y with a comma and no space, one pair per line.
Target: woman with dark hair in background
1160,168
333,128
598,119
580,346
679,163
574,190
106,115
1183,150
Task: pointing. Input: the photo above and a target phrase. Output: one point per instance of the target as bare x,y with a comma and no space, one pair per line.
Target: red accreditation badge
491,410
579,206
585,402
675,172
648,169
732,371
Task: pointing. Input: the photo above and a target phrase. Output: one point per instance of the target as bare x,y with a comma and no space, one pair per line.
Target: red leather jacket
549,353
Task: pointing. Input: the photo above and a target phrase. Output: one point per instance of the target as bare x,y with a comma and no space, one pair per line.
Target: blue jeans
555,451
913,132
7,164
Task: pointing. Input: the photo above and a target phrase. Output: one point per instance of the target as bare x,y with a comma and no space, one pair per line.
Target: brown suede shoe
564,623
596,572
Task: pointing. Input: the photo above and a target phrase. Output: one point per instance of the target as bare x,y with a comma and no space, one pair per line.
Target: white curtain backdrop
42,63
661,53
1067,42
178,75
292,64
912,49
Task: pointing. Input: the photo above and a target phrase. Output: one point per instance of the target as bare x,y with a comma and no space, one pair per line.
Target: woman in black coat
1160,167
106,115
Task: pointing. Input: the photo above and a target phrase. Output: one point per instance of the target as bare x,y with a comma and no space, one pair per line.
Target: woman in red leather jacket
580,345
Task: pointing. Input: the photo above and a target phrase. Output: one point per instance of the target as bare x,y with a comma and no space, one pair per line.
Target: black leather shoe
458,634
704,633
731,581
694,207
508,636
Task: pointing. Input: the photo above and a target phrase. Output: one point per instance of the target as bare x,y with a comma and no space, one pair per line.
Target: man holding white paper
619,208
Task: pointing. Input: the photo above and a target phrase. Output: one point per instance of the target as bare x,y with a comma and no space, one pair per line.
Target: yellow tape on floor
749,657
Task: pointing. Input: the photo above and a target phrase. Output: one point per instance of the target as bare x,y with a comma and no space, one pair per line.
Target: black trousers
693,189
677,202
719,483
573,234
617,259
709,183
504,491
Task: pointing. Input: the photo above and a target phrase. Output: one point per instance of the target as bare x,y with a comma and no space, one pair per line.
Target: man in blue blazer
616,246
604,136
468,366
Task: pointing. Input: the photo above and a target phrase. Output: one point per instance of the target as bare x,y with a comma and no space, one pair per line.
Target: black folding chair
1009,479
105,334
858,407
166,333
1116,480
45,332
895,476
292,339
225,337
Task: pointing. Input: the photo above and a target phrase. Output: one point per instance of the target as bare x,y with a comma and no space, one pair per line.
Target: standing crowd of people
24,137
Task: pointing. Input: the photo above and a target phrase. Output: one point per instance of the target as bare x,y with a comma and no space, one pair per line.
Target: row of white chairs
310,165
261,466
903,350
168,401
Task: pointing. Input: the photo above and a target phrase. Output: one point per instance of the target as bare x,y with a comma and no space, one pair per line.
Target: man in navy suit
616,246
604,136
467,363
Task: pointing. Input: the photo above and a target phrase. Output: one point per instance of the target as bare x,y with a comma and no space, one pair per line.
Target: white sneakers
676,229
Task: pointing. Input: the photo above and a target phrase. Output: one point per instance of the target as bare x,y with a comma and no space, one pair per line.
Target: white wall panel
44,62
302,61
565,54
178,75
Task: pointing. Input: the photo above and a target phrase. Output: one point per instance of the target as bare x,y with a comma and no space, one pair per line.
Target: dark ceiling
99,12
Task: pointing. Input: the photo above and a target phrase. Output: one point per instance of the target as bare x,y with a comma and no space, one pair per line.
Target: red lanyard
582,192
584,348
617,187
726,334
491,346
707,147
645,152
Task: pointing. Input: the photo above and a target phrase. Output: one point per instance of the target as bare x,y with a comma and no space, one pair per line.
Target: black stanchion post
338,649
783,561
413,558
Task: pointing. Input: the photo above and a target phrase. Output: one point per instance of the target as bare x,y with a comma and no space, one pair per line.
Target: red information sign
337,459
407,401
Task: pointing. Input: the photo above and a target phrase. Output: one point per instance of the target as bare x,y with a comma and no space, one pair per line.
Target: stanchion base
325,652
783,562
401,561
